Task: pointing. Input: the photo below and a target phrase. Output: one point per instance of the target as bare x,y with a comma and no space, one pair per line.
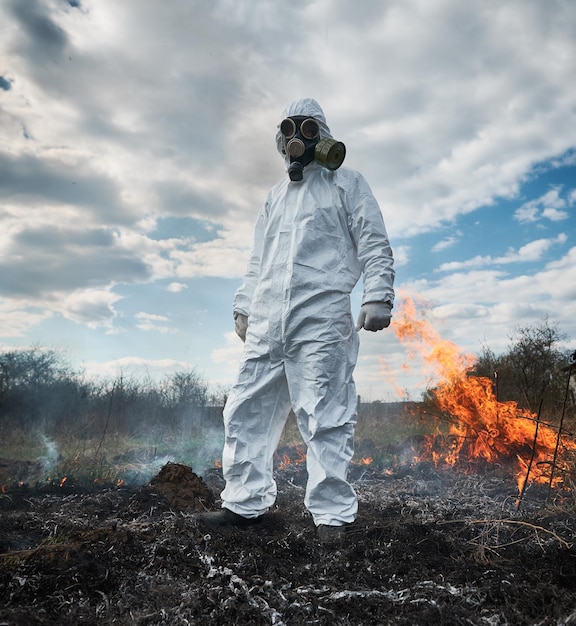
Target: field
109,535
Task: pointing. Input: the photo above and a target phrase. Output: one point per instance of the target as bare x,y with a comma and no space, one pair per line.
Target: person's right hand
374,316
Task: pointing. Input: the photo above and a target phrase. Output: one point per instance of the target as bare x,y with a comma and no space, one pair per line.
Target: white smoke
51,456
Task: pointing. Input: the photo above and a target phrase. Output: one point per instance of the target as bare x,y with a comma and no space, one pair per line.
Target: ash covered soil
429,547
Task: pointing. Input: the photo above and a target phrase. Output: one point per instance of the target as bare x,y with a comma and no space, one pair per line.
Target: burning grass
479,426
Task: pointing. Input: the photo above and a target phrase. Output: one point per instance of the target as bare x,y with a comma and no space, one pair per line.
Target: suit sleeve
373,246
245,292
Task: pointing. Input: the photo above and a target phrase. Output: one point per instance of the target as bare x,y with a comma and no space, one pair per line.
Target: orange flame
301,452
481,427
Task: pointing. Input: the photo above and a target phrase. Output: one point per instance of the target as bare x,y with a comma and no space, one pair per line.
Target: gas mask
301,142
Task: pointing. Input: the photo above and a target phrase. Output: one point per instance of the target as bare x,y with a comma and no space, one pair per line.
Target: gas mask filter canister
302,143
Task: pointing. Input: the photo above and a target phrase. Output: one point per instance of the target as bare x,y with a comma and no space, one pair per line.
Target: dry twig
513,522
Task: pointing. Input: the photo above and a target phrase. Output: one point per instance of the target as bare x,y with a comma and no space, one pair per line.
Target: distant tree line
40,391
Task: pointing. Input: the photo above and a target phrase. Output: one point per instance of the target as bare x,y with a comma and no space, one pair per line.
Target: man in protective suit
319,230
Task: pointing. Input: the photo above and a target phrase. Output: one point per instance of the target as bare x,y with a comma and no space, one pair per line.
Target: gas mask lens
309,128
288,128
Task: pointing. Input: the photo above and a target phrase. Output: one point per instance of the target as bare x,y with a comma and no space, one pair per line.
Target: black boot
332,535
226,517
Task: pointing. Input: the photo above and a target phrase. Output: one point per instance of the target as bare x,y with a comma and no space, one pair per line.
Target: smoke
51,457
132,466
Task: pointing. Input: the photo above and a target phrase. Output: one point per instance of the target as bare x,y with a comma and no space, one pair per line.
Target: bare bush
40,391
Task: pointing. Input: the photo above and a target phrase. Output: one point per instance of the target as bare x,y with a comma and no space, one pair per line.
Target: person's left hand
241,325
374,316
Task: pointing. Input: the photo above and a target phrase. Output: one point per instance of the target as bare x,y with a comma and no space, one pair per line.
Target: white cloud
477,261
552,198
530,252
401,255
226,359
92,307
231,352
215,258
549,206
176,287
136,367
448,242
20,318
480,305
555,215
527,213
119,114
150,322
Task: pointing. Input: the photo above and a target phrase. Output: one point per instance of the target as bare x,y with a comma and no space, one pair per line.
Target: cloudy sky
137,146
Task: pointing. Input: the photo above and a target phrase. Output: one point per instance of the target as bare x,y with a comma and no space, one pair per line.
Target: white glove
374,316
241,325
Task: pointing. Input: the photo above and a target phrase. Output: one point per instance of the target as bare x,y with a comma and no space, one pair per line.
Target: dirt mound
180,489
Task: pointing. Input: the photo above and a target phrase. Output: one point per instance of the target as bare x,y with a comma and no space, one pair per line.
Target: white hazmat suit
313,240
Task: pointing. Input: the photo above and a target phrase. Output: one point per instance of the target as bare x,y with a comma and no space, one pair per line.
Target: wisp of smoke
51,456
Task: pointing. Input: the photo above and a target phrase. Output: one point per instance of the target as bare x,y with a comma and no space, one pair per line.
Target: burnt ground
429,547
